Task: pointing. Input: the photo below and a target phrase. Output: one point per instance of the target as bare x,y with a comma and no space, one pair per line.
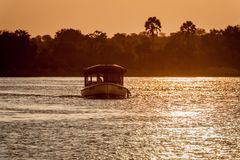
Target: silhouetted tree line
189,52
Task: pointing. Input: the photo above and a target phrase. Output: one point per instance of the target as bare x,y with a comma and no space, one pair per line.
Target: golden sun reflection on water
183,79
166,118
183,114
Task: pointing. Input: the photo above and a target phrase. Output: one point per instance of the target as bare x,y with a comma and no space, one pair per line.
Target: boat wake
37,95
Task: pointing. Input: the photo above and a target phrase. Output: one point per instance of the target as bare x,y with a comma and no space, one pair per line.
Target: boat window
100,78
94,78
115,78
88,80
103,77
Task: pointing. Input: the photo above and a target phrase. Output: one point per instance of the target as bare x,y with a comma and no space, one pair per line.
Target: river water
165,118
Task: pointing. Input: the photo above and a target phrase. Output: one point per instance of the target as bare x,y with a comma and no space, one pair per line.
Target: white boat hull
105,90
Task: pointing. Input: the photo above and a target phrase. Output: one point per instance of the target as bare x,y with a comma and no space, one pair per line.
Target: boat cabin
104,73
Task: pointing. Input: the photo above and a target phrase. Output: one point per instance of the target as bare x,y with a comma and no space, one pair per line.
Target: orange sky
41,17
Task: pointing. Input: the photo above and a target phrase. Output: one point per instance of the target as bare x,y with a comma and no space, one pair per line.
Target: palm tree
188,28
153,26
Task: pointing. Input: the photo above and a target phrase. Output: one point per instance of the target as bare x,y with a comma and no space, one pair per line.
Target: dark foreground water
166,118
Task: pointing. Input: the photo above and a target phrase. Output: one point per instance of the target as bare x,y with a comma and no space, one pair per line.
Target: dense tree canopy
200,53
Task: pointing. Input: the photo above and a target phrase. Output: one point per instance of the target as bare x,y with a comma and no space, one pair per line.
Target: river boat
104,81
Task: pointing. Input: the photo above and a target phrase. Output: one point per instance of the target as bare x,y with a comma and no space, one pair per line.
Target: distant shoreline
127,75
186,53
211,72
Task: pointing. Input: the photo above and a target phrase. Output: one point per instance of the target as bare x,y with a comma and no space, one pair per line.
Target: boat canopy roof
103,68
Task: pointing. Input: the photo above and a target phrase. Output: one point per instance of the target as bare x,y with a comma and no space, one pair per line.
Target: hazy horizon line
108,35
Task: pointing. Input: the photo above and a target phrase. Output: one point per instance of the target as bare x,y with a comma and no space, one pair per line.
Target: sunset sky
41,17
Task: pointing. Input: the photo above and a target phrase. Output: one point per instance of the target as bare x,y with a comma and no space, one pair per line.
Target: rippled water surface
166,118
